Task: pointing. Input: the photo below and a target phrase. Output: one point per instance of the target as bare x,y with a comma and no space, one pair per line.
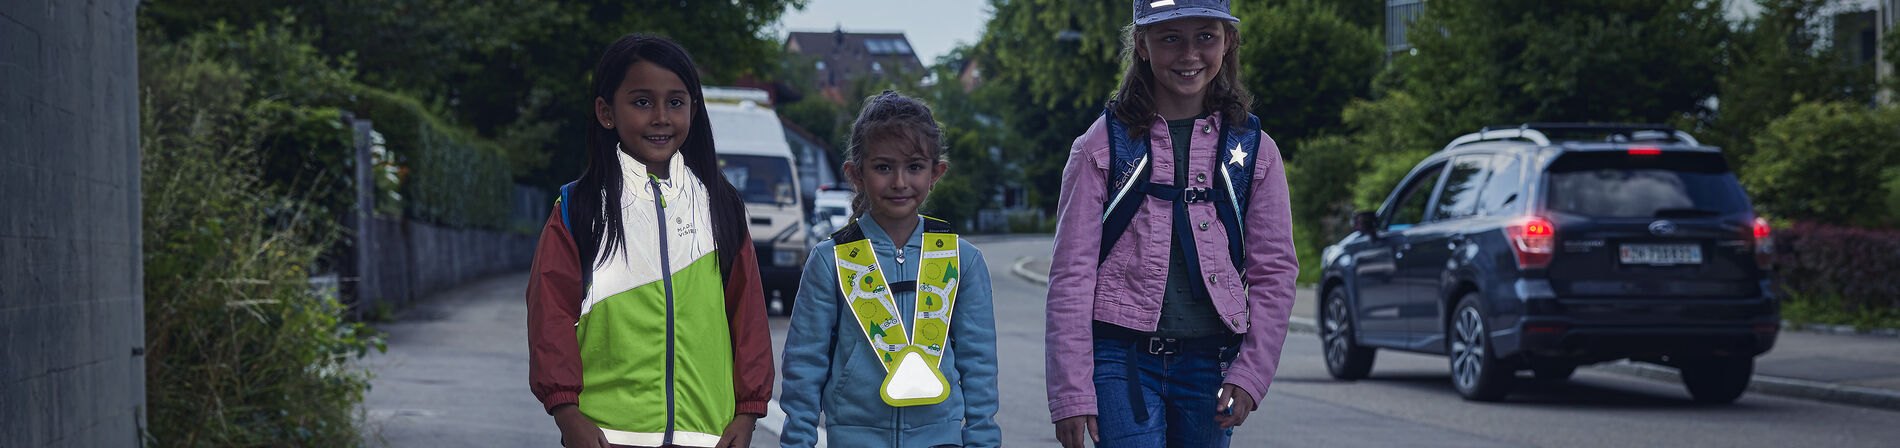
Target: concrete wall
72,328
411,260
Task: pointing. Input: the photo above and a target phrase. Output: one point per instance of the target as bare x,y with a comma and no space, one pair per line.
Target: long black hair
596,197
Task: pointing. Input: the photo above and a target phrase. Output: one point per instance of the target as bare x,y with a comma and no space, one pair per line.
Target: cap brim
1185,13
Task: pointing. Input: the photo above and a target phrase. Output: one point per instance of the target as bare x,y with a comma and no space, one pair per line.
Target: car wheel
1553,372
1717,380
1475,369
1345,359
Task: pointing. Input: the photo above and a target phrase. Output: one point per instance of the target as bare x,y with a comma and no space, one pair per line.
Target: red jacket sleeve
554,306
752,374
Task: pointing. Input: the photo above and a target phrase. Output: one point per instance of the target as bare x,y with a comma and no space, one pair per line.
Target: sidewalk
1851,369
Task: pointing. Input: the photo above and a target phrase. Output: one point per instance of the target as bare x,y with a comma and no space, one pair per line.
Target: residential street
455,376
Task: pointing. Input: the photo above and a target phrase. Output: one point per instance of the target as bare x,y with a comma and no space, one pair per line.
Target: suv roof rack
1540,133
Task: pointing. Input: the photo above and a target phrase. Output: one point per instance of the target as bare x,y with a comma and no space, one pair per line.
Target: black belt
1154,346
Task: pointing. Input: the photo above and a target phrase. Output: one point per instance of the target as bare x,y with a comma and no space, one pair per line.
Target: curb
1771,385
1774,385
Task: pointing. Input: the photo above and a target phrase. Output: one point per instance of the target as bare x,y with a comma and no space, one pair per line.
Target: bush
1827,162
240,350
454,178
1843,267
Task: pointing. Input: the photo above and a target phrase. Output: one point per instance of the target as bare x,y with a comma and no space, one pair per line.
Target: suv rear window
1617,184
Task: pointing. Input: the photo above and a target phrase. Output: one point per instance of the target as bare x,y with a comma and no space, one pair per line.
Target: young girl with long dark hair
646,320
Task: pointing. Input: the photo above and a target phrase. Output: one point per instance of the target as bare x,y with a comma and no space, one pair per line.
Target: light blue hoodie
828,364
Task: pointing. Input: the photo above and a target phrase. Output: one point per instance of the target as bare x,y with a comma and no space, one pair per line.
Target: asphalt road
455,376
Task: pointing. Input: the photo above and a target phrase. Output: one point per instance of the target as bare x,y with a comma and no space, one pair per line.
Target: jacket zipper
897,436
666,279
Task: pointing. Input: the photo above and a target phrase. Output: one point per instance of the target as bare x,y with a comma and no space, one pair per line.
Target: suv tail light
1532,239
1764,244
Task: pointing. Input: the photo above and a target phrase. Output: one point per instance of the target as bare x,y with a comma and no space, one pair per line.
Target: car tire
1718,379
1553,373
1345,358
1475,370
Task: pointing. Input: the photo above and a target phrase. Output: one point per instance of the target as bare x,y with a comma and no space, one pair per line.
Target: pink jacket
1126,288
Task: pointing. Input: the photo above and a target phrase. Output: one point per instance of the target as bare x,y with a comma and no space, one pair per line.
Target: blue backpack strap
587,268
1127,180
1242,142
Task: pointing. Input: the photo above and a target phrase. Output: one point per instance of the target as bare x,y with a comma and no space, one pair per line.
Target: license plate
1660,254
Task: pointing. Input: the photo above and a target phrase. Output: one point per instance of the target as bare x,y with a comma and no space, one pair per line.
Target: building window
876,67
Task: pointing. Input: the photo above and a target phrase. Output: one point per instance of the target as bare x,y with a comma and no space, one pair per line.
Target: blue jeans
1177,385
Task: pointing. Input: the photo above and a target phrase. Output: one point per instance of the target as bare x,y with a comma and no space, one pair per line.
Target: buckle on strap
1197,194
1163,346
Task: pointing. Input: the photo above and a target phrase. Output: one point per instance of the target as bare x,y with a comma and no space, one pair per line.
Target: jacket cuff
1250,383
751,407
559,398
1062,408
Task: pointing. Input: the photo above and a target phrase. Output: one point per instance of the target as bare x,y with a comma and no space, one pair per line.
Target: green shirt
1184,314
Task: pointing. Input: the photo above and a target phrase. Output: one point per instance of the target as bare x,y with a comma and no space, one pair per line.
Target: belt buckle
1163,346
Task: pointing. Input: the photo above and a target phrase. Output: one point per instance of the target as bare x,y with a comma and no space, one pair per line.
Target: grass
1818,309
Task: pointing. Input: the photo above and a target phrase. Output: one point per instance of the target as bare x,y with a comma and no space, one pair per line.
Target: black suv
1544,247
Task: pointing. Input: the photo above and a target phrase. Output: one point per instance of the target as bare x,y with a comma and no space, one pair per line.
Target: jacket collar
875,232
636,177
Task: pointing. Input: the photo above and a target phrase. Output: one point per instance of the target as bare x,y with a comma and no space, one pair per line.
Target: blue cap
1148,12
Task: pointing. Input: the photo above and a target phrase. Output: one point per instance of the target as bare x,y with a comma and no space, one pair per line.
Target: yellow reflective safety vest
912,376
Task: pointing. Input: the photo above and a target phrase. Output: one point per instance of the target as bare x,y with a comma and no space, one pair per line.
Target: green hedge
1839,275
452,177
1828,162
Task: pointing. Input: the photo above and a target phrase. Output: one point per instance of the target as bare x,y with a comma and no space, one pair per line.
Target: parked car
754,156
831,210
1545,247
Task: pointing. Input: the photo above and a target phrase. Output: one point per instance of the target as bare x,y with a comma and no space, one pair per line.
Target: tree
514,70
1484,62
1303,63
1777,61
1049,66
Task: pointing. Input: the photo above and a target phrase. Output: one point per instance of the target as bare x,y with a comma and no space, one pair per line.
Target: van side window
1410,208
1460,195
1502,192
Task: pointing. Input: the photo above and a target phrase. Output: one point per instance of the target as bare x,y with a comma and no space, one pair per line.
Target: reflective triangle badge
914,382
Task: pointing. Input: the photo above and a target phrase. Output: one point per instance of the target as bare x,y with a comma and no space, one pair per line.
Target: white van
754,156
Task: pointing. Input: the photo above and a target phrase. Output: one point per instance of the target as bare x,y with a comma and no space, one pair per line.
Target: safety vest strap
869,295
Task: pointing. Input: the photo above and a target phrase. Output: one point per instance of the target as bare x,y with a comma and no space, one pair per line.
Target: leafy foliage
240,350
1839,274
1049,66
514,70
1485,62
1304,63
1827,162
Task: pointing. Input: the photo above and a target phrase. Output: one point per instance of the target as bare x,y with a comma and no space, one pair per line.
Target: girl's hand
576,430
1073,430
738,434
1231,415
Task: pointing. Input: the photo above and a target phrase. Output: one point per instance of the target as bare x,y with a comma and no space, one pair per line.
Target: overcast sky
933,26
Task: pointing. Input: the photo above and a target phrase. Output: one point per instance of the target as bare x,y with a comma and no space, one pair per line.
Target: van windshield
1621,185
760,179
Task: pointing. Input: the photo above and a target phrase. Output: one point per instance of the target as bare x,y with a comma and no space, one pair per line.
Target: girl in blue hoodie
892,337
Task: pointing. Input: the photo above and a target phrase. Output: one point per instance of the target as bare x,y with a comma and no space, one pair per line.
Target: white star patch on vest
1236,156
